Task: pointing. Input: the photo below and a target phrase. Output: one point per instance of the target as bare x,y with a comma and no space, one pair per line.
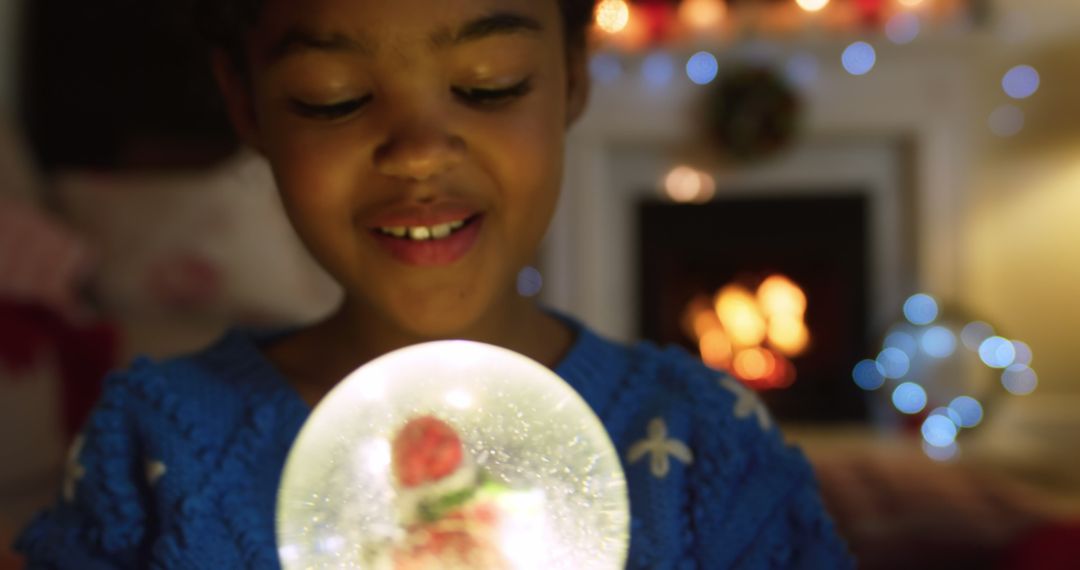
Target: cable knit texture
217,426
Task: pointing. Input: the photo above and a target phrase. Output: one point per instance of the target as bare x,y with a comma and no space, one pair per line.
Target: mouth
430,245
427,233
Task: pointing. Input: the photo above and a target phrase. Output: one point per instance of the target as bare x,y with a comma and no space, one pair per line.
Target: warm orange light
911,3
738,312
783,375
706,321
612,16
702,14
781,297
694,309
716,349
685,184
789,335
812,5
754,364
732,328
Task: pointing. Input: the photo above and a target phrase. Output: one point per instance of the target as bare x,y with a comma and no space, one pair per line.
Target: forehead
371,26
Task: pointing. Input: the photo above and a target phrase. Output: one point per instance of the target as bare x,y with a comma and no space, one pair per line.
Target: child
417,146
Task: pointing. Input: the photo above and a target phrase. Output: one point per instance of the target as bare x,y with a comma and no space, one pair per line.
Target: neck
356,334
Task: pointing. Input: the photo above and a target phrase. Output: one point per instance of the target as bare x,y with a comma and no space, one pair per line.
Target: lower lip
432,252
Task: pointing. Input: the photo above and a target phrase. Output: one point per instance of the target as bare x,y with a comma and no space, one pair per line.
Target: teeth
422,233
440,231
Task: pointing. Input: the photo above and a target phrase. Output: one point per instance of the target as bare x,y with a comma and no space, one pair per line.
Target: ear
236,90
578,84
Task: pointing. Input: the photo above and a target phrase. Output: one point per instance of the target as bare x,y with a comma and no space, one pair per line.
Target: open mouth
435,245
427,233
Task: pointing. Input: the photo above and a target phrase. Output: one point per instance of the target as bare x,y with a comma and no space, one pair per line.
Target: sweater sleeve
99,519
798,535
756,498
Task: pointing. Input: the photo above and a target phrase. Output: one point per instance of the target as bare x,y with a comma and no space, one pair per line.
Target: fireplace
689,252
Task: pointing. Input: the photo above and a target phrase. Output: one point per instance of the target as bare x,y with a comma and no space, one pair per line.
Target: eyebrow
297,40
495,24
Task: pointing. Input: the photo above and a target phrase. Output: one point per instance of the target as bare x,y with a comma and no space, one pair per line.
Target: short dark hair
223,23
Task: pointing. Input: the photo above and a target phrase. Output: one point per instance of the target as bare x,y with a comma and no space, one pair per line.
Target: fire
752,334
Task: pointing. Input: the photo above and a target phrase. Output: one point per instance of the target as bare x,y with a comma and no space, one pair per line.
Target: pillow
214,243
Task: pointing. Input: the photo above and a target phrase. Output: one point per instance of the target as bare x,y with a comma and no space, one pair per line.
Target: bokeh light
997,352
909,398
754,364
739,313
702,14
1024,355
612,16
1020,82
812,5
911,3
938,342
904,341
702,68
780,296
859,58
921,309
903,28
1019,380
975,333
946,453
686,185
1007,121
968,409
529,282
867,375
605,68
658,69
803,70
789,335
716,349
732,328
939,431
893,363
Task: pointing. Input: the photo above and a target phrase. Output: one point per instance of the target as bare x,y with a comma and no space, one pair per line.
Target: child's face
377,115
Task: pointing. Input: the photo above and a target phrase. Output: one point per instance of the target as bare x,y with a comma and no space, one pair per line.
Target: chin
436,321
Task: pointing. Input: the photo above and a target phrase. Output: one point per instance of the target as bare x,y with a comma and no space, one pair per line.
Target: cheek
525,151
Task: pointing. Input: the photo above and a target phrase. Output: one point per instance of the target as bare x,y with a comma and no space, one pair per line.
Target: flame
716,349
740,315
751,335
780,296
789,335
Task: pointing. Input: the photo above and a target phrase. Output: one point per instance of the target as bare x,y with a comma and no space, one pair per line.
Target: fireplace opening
770,290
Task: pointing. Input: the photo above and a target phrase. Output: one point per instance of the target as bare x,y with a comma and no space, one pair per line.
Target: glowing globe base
453,454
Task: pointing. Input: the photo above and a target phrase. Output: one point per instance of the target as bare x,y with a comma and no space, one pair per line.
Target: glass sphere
453,454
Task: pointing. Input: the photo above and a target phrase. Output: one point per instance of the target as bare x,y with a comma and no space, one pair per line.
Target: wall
9,37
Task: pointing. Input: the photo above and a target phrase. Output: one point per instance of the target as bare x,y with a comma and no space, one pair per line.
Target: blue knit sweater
179,465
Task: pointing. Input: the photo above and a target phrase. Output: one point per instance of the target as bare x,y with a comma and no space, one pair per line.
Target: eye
479,97
328,112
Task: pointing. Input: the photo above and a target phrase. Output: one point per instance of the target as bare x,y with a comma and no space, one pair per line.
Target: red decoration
871,12
84,353
426,450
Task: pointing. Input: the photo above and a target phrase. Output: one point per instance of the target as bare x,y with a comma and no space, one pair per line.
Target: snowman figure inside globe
454,514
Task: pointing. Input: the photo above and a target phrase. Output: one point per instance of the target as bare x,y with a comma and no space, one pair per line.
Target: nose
419,152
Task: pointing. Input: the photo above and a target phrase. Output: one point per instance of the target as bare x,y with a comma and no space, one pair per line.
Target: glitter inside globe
453,454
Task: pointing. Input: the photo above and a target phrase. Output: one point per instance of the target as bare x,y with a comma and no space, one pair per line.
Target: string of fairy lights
661,29
916,371
941,369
